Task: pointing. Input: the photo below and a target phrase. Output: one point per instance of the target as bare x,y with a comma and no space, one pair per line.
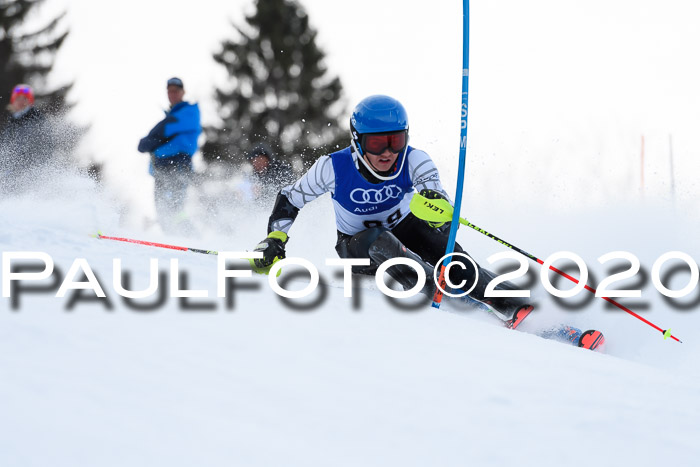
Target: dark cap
261,149
176,82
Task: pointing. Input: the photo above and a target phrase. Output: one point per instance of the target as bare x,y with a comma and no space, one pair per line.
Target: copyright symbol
447,273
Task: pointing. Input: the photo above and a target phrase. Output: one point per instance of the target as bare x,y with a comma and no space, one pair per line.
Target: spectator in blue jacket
172,143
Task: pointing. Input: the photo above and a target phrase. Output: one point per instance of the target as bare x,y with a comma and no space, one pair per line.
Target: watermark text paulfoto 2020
26,273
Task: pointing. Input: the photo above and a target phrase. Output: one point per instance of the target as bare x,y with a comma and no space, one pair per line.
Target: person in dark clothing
25,142
269,172
371,184
171,144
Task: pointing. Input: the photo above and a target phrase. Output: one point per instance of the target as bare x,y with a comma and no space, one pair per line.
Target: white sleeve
423,172
318,180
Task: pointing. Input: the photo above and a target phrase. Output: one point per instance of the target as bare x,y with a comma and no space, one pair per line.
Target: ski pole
258,270
440,210
158,245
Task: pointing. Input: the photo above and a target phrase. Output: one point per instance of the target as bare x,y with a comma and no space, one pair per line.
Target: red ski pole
158,245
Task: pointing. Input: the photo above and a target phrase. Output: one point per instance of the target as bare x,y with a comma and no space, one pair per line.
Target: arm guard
283,215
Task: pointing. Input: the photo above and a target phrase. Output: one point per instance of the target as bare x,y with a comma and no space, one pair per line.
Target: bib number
391,221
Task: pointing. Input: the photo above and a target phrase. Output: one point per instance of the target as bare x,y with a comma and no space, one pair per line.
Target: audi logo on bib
374,196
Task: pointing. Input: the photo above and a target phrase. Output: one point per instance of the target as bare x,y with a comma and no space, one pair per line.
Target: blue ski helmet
377,114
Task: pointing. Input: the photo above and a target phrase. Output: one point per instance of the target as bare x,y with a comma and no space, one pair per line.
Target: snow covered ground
338,383
560,96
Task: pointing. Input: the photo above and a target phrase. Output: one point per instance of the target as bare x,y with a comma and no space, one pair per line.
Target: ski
591,339
518,317
565,333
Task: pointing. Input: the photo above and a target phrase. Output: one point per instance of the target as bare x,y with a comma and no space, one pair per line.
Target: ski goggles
377,143
26,90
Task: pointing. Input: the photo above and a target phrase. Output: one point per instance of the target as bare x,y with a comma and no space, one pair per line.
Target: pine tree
279,91
27,57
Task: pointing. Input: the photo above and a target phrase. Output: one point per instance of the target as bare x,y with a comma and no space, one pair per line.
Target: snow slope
338,383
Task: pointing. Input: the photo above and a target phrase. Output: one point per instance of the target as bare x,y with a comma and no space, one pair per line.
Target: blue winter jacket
174,137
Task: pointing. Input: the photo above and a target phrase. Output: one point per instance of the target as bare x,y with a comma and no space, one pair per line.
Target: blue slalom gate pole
437,298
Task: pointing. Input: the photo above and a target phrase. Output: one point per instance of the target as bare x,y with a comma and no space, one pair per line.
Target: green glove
432,194
272,248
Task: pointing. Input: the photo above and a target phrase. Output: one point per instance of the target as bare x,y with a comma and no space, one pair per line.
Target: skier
172,143
371,183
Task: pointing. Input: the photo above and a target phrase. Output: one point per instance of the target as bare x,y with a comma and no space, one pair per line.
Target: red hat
22,89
